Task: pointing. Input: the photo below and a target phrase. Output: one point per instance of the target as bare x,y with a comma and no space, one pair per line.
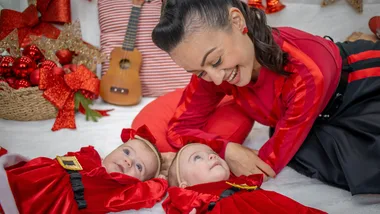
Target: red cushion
228,120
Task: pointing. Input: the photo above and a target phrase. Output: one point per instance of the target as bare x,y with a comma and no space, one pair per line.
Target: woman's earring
245,30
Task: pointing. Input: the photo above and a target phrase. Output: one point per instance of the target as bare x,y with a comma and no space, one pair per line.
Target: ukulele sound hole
124,64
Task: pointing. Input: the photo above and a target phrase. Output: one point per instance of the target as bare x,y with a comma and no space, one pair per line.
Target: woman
321,98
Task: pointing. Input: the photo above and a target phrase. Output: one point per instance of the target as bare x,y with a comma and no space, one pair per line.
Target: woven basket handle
5,88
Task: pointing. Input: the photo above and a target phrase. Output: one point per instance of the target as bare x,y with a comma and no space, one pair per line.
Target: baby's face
200,164
133,158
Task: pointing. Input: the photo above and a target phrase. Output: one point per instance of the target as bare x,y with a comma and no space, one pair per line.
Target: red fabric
364,73
43,186
257,201
228,120
370,54
290,104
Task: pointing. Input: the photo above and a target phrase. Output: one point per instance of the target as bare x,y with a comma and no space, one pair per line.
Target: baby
201,182
80,182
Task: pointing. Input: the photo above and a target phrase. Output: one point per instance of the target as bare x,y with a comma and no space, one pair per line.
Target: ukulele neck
130,35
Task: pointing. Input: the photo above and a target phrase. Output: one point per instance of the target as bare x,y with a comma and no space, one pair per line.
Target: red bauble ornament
274,6
23,66
374,25
58,71
48,65
6,66
33,52
22,83
35,77
11,81
65,56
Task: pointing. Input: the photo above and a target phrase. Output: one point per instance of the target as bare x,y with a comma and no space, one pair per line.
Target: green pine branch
90,114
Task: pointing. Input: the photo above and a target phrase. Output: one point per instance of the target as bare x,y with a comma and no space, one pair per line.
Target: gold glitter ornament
47,47
356,4
11,42
71,38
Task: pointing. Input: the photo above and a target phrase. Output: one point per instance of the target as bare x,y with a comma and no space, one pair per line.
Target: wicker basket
25,104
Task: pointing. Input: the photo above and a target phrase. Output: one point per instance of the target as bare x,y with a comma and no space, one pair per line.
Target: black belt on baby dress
72,167
78,188
226,193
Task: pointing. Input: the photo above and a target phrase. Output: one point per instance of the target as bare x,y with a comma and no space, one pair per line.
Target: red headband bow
214,144
143,131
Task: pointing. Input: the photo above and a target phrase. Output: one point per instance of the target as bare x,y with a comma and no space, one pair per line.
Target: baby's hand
193,211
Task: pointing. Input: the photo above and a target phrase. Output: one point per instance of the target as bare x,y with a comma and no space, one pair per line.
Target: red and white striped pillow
158,74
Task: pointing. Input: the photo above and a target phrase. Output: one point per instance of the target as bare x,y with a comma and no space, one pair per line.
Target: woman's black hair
181,17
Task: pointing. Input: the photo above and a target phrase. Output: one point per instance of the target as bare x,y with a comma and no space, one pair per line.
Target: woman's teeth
233,75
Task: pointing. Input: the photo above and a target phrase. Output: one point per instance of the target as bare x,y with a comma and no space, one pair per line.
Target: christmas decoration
23,66
22,83
374,25
35,77
274,6
39,54
11,81
69,68
70,39
64,56
356,4
257,4
10,43
33,52
6,66
28,22
64,92
47,64
58,71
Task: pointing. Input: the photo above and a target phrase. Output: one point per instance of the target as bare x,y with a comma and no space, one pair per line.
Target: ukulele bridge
119,90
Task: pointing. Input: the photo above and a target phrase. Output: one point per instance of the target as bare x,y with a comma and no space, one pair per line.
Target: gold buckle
69,163
242,186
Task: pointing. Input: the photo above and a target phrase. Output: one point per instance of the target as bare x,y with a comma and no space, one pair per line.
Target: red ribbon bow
28,22
60,92
143,131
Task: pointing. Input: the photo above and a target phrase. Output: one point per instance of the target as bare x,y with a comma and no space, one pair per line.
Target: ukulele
121,84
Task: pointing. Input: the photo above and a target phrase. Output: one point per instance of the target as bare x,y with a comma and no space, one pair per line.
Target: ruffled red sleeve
137,196
184,200
198,101
256,202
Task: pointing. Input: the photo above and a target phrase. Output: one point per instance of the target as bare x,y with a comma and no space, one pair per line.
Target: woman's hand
167,158
245,161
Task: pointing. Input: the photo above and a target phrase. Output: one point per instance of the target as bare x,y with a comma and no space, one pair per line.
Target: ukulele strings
128,45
